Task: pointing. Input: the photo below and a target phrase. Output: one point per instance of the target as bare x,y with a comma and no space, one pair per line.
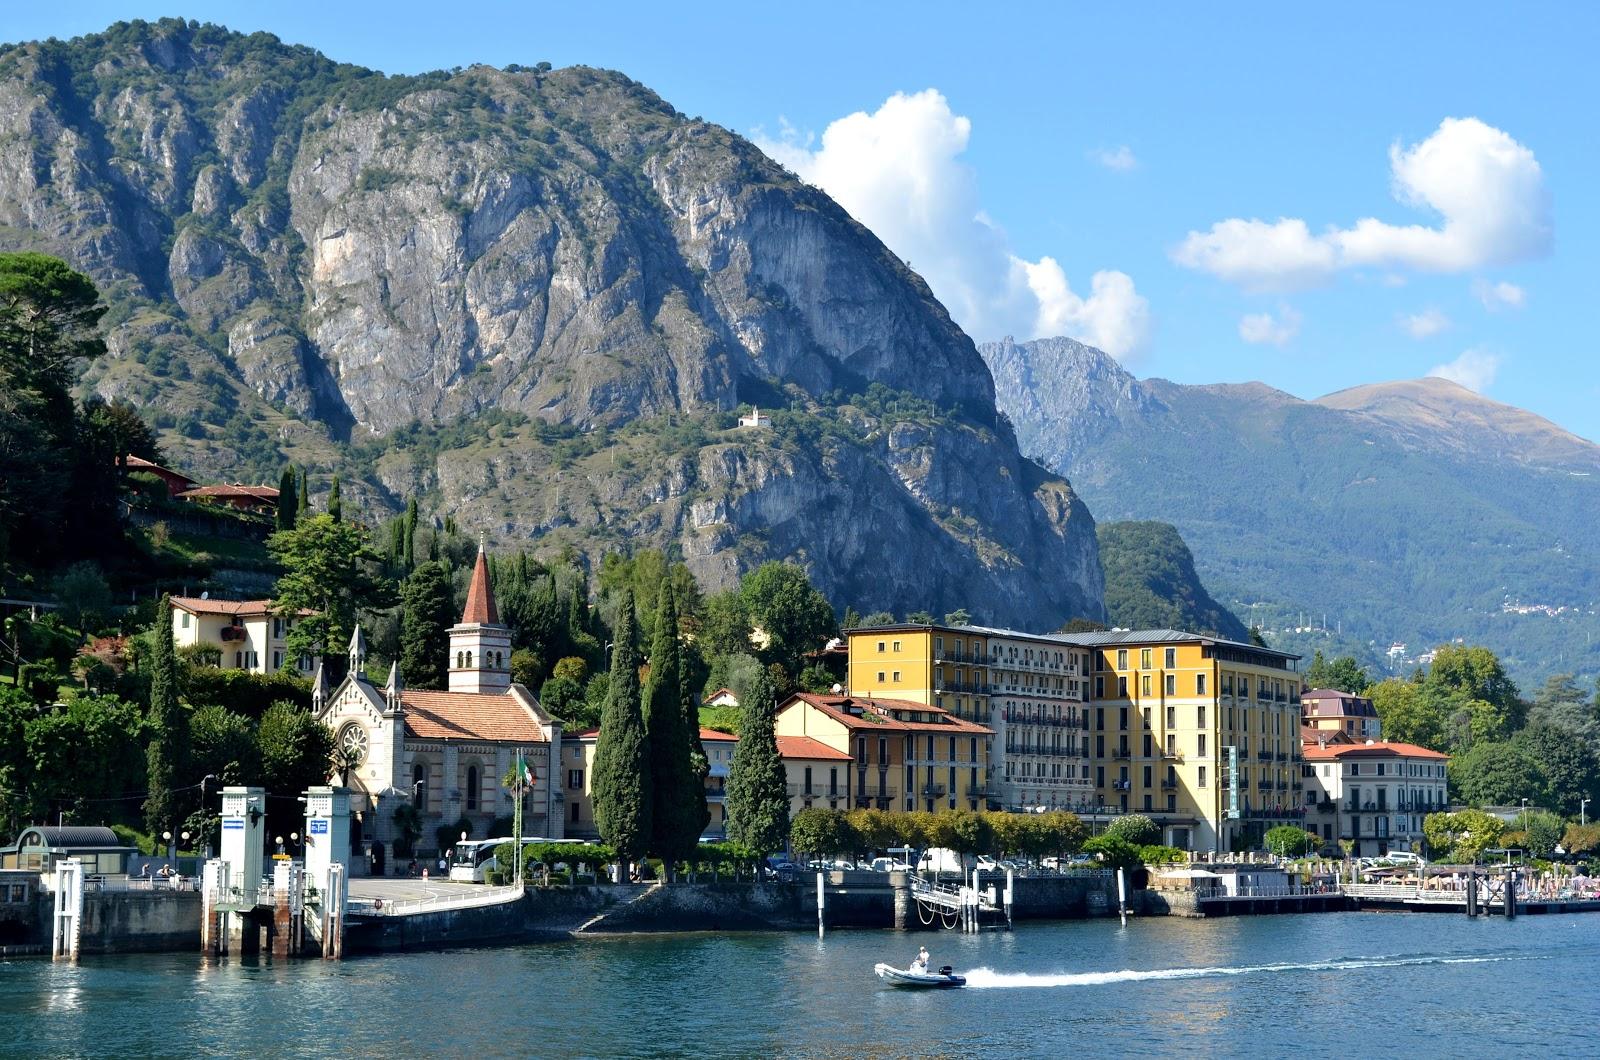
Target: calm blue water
1349,984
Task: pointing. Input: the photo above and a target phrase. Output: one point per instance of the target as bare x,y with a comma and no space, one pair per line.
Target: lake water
1347,984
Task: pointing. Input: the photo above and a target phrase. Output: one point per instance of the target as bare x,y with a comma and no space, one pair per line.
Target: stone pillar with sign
244,817
327,833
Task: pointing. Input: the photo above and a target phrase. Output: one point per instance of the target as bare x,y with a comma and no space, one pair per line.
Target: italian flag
524,774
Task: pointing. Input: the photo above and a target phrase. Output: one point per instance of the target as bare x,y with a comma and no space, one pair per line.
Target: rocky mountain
1151,582
532,298
1414,512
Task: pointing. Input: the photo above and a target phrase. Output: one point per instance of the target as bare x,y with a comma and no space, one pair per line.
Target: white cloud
1119,158
1475,369
1424,325
1486,187
1265,328
899,172
1502,295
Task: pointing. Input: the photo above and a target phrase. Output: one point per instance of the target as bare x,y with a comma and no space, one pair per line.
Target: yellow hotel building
1199,733
1029,689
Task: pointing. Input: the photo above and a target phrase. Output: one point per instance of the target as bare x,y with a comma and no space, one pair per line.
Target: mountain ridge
1404,521
532,298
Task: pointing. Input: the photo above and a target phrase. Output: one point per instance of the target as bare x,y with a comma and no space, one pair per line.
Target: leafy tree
758,793
969,832
779,597
1135,828
335,504
622,782
296,752
1290,841
85,760
123,429
1581,838
563,697
1541,832
169,729
1566,765
84,595
1464,835
679,812
1114,851
49,324
1563,704
571,669
330,571
821,833
428,611
1497,774
1343,674
1408,713
527,669
223,745
724,625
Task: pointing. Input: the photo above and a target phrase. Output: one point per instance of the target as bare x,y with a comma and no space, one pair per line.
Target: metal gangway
962,905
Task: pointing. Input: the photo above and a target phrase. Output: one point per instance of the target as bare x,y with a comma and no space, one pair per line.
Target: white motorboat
944,978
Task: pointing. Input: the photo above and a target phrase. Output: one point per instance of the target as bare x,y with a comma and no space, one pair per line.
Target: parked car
889,865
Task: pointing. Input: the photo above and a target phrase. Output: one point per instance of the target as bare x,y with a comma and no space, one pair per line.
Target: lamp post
279,840
1583,816
1524,815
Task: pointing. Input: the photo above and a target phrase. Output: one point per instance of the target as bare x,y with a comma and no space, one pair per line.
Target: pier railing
479,896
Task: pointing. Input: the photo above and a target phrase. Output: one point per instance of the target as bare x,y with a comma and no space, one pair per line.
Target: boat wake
989,979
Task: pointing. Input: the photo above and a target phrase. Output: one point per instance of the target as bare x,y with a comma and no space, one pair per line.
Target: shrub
1289,841
1136,829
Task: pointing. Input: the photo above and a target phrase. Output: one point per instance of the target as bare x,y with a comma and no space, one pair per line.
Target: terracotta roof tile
260,493
713,734
1376,749
480,610
806,747
470,716
237,608
876,714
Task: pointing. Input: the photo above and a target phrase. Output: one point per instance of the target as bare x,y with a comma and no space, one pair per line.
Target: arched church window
459,661
469,660
472,787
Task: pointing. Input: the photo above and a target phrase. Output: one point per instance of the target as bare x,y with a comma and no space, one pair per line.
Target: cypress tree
679,812
621,759
335,505
758,792
169,729
286,500
429,611
408,546
303,504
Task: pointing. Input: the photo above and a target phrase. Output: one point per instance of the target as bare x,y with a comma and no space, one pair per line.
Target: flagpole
516,816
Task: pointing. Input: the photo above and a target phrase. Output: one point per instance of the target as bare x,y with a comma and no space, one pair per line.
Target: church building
445,753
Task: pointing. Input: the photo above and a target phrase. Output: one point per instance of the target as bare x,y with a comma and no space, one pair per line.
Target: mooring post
1009,893
1122,897
67,924
1472,893
821,901
1510,895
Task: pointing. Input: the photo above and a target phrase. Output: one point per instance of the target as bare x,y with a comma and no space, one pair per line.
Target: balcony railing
932,791
1169,785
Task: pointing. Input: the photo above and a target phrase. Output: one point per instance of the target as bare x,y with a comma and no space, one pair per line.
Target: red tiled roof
586,734
1375,749
876,714
139,463
236,608
498,717
480,610
713,734
806,747
260,493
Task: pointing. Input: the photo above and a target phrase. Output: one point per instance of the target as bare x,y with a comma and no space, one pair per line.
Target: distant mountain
532,298
1417,512
1151,582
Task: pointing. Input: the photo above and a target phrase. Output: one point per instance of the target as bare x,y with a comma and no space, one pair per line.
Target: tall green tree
409,545
286,499
1343,674
49,325
302,501
296,752
1498,773
329,571
1567,764
797,619
1409,713
427,613
166,758
335,504
678,811
622,783
758,785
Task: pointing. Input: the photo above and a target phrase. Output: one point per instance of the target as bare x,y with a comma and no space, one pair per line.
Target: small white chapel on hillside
446,753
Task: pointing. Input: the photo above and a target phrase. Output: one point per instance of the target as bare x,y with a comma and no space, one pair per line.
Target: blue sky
1087,140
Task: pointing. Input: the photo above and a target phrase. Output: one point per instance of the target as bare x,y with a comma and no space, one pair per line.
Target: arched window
419,786
469,660
472,787
498,663
460,661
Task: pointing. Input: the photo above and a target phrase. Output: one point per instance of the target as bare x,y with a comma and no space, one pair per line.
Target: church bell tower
480,647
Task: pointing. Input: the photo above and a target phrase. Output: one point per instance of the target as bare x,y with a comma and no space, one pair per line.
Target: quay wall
136,921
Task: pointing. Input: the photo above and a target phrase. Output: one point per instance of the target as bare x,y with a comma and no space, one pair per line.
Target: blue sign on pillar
1233,783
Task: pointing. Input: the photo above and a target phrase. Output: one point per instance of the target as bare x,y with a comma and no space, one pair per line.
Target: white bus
475,857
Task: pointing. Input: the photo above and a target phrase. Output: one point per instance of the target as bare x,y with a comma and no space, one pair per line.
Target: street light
166,837
1583,817
1524,815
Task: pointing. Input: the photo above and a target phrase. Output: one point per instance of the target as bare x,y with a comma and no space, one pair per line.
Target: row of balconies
1016,717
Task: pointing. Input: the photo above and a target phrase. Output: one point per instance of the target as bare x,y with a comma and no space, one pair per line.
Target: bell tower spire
480,647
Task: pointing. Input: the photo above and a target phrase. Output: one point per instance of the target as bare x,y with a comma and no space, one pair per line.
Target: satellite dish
206,595
837,688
